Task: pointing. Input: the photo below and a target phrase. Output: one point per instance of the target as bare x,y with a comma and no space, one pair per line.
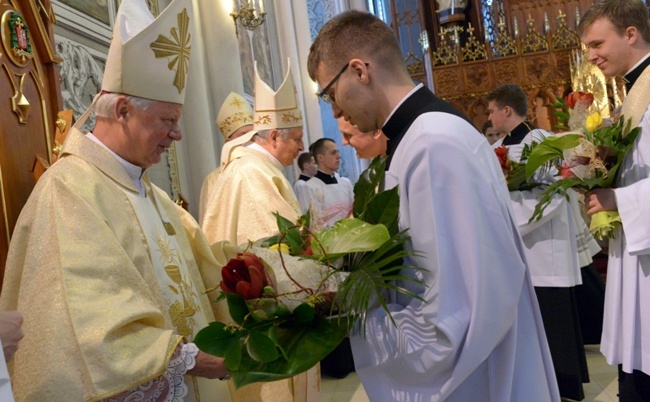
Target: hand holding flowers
295,296
587,157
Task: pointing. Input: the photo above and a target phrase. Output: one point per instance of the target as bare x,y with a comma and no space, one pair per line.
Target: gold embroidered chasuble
637,101
81,271
249,189
206,188
181,296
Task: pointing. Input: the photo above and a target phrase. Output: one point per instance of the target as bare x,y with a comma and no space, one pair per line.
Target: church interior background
461,49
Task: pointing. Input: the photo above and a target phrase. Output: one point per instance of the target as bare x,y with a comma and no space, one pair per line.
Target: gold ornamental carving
19,103
15,38
504,45
538,69
533,42
414,65
448,82
447,51
477,77
564,38
473,49
506,72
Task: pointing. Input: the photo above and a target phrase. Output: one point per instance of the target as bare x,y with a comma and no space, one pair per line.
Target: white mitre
235,113
273,109
276,109
149,57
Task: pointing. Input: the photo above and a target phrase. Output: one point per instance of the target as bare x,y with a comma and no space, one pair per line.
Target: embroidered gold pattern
169,228
178,49
263,119
291,117
237,119
237,102
181,313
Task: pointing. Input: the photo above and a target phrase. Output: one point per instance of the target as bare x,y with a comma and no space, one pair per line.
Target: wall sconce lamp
250,15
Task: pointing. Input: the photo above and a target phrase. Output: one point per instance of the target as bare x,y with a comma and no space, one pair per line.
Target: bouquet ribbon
604,223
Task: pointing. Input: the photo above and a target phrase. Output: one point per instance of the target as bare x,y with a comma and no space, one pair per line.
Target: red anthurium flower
574,98
244,275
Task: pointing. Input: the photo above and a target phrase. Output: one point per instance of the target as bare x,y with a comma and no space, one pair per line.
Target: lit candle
516,27
261,6
453,5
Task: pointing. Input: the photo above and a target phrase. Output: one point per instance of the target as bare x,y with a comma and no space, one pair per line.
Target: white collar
135,172
637,65
420,85
258,147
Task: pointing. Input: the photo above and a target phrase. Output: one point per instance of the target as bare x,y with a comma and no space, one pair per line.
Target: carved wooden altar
31,98
530,43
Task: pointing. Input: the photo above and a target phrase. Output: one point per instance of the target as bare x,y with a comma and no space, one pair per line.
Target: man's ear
631,34
121,108
360,69
273,136
507,110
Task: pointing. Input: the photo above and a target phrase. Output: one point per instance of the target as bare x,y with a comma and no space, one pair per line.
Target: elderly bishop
100,264
250,188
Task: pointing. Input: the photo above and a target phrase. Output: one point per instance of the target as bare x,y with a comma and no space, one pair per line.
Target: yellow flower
594,121
284,248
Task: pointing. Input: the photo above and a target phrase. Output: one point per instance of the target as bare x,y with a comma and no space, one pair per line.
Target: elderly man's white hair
105,105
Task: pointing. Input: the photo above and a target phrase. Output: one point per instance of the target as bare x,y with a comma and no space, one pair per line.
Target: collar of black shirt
325,178
631,77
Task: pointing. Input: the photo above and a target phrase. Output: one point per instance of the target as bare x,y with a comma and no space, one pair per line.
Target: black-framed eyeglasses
323,94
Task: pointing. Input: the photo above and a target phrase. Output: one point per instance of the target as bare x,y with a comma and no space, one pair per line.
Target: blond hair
355,34
621,13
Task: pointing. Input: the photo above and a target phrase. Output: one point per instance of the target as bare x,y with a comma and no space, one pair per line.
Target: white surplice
479,334
626,327
551,248
328,203
5,384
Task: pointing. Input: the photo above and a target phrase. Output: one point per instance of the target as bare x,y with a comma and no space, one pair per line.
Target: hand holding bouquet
295,296
588,157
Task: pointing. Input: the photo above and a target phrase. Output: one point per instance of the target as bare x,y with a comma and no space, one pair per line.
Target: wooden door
29,101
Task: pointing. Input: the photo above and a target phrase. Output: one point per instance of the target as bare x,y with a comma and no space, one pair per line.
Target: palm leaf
372,275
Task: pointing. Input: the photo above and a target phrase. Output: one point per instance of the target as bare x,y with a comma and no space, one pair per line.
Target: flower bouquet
295,296
587,157
515,172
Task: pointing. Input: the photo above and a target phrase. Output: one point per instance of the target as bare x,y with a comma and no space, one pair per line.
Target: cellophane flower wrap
294,297
587,156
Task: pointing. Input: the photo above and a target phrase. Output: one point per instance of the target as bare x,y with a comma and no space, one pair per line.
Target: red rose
566,172
244,275
574,98
502,154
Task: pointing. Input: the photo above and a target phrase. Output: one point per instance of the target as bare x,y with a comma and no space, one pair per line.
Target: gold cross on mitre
177,48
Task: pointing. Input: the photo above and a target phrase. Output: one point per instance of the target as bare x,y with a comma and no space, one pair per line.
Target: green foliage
237,307
274,349
550,149
348,236
366,187
561,111
291,234
372,275
269,342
